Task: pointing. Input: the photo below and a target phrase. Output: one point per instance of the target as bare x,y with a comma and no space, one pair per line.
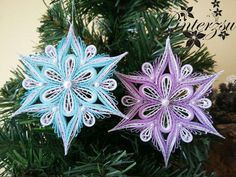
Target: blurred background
18,36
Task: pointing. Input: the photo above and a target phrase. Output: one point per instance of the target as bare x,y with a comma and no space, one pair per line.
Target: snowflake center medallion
165,102
54,109
163,106
67,84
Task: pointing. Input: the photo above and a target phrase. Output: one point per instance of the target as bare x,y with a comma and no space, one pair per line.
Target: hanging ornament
166,103
69,86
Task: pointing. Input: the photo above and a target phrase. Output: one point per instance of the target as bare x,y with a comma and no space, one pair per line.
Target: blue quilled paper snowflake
69,86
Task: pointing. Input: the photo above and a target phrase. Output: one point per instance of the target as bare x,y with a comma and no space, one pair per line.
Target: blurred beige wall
19,20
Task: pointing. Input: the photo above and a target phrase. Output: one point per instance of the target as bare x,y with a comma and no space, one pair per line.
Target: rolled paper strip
166,85
128,101
148,69
150,111
52,75
69,67
186,71
85,76
29,83
183,112
185,135
90,52
68,103
204,103
51,52
150,92
166,122
146,134
88,119
182,94
109,84
47,119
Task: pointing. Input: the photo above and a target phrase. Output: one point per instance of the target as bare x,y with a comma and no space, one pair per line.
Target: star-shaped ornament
166,103
69,86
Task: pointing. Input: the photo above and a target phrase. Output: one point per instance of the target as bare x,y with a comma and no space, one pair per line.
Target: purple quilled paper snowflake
166,103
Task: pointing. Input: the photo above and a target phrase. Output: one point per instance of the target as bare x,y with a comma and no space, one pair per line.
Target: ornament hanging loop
72,12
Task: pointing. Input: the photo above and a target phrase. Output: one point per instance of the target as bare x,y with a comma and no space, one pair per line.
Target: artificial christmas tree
137,26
